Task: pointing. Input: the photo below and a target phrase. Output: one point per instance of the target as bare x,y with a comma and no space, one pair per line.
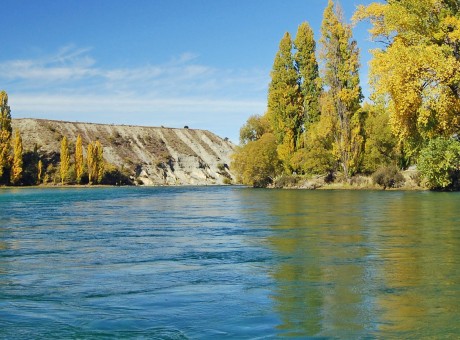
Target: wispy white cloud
71,85
66,65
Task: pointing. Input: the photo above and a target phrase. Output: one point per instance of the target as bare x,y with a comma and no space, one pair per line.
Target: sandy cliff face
153,155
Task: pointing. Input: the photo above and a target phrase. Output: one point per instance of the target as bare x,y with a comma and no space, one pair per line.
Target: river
228,263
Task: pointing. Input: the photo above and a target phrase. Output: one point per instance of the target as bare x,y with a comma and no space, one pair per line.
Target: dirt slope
153,155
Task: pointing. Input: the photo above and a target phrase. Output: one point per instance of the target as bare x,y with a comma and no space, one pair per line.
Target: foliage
114,176
286,181
65,161
418,68
227,181
17,165
5,133
100,161
91,161
317,157
95,161
254,128
284,100
39,171
439,163
388,177
308,74
79,165
380,144
340,57
257,163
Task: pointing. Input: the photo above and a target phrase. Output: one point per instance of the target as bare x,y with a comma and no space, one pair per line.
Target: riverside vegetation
316,128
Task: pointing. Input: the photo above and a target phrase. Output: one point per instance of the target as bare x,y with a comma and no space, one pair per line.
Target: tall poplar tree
284,101
65,160
95,161
78,159
91,162
39,171
307,69
17,166
5,133
340,58
100,161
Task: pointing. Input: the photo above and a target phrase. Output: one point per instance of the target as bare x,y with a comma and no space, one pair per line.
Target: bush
115,176
227,181
388,177
286,181
256,163
439,164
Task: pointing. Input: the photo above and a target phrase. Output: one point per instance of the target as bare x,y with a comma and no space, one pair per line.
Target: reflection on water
224,262
356,264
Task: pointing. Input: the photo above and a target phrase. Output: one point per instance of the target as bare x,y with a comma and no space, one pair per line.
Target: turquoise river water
228,263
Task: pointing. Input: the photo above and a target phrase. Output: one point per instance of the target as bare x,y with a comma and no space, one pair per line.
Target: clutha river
228,263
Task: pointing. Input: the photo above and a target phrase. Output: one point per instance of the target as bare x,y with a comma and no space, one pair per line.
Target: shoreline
325,187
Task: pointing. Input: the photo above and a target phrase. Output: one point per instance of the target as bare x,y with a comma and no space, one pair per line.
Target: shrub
256,163
439,163
286,181
388,177
227,181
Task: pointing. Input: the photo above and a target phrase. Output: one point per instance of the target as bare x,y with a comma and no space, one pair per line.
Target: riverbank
411,182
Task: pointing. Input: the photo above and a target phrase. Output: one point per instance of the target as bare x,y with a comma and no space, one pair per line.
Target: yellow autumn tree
99,161
418,65
91,162
65,160
342,97
79,159
256,163
5,134
17,164
39,171
95,162
285,112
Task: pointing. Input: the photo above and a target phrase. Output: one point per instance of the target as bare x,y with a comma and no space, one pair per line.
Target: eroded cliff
151,155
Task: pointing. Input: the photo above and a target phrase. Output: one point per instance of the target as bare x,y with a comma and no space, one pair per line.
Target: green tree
340,57
5,133
285,102
307,69
418,67
17,166
256,163
65,160
79,165
439,163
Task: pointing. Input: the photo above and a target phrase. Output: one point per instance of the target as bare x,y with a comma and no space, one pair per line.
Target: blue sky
201,63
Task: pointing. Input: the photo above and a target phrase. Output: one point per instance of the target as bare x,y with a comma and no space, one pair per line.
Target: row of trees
77,172
315,123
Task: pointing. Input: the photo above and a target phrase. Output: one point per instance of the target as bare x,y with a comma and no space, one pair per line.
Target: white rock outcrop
153,155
